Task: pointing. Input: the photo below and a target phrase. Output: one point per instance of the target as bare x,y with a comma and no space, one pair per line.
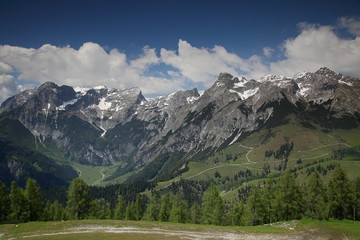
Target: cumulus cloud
268,51
351,23
318,46
90,65
4,68
168,70
8,87
202,65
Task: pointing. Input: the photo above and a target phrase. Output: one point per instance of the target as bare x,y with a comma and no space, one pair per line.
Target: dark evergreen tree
34,197
4,203
179,210
257,206
213,206
315,197
99,209
130,211
196,213
289,201
139,207
57,211
237,213
356,199
165,208
120,208
46,213
78,199
153,208
269,201
19,205
339,195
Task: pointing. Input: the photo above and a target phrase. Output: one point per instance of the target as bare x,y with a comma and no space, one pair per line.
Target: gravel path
151,233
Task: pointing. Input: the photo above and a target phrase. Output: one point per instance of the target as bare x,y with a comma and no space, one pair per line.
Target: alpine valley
236,131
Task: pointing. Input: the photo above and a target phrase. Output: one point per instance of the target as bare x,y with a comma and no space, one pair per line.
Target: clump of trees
274,200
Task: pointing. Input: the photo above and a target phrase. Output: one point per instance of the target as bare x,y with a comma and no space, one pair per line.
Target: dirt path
78,171
247,154
329,145
102,178
198,174
152,233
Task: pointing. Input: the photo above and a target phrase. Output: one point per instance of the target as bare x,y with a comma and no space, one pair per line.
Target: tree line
277,199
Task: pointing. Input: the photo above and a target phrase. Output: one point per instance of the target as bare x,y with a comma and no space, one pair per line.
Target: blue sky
165,46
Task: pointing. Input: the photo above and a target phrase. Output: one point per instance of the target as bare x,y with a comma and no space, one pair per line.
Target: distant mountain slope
155,138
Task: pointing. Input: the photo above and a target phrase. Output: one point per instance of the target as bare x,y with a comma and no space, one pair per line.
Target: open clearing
113,229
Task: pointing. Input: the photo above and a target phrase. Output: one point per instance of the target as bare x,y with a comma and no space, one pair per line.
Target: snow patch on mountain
272,78
347,83
300,75
191,100
99,87
81,91
235,138
63,106
245,94
104,105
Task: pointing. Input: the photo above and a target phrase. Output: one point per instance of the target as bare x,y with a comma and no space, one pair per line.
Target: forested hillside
273,200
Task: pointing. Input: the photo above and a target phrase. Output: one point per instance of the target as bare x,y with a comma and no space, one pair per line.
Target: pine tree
4,203
78,199
315,197
58,211
356,199
339,195
99,209
52,210
46,213
213,206
130,211
153,208
196,213
120,208
139,207
18,204
269,201
288,198
34,198
237,212
165,208
256,206
179,210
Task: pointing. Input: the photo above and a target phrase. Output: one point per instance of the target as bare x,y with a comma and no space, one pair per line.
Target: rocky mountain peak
131,126
47,85
326,71
226,80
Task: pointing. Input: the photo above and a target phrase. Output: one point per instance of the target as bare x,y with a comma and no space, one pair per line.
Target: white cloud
148,58
318,46
268,51
4,68
202,65
8,87
351,23
186,67
90,66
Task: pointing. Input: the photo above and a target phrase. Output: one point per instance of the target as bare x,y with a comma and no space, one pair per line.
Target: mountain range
46,130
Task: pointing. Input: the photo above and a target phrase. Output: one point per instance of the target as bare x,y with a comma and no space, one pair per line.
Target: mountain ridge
102,126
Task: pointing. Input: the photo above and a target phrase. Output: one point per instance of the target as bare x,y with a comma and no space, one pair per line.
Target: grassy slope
310,145
99,229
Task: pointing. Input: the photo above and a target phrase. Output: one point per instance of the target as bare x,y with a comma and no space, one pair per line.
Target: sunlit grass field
115,229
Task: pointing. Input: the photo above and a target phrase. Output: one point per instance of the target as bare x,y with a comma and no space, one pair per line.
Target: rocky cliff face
102,125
